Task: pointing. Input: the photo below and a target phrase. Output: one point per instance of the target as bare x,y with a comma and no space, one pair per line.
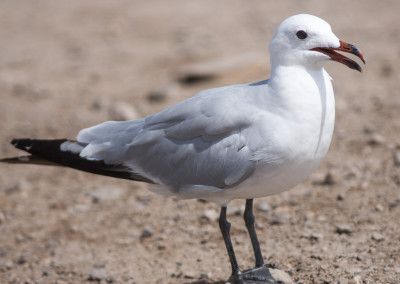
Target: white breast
303,127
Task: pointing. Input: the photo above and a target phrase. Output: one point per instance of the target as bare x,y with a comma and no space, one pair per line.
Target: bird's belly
273,179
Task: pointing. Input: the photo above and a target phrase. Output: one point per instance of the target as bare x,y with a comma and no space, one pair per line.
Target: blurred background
67,65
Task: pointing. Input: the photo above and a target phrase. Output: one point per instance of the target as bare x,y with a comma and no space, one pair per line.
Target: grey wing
198,142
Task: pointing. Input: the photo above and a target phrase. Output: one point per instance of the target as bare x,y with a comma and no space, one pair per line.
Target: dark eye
301,34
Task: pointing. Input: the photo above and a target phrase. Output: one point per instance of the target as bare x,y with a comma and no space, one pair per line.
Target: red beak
345,47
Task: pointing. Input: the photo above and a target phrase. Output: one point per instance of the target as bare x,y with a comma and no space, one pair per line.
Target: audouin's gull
236,142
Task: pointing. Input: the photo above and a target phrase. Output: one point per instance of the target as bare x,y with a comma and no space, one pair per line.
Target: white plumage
242,141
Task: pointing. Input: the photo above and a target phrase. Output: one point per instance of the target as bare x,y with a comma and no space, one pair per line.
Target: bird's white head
308,41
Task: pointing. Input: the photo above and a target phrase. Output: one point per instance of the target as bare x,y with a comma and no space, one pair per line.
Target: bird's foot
256,275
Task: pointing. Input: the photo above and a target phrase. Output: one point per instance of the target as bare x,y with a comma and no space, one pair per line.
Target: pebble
394,204
377,237
12,189
379,207
340,197
121,111
263,207
369,129
107,193
396,158
356,280
100,103
364,185
376,139
7,263
161,94
235,210
205,275
210,215
97,275
344,229
281,276
24,257
329,179
147,232
208,70
190,274
316,236
2,218
279,219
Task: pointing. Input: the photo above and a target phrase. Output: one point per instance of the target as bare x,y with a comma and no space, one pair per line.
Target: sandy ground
67,65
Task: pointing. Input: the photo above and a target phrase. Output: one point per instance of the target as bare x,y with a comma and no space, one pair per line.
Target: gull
236,142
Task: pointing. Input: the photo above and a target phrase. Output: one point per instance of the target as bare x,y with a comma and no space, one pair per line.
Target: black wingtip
48,152
14,142
22,144
34,146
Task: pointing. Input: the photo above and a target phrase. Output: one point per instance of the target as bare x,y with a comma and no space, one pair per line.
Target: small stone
344,229
329,179
107,193
7,263
353,269
161,94
396,158
340,197
189,274
394,204
316,236
97,275
12,189
161,247
205,275
309,215
356,280
147,232
364,185
376,139
379,207
210,215
279,219
208,70
2,218
111,280
123,111
263,207
24,257
235,210
368,129
100,103
377,237
281,276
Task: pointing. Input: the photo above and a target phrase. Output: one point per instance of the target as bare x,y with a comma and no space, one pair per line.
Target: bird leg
225,227
248,217
259,274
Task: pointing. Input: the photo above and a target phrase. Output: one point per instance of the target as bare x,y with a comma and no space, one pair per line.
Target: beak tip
362,57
